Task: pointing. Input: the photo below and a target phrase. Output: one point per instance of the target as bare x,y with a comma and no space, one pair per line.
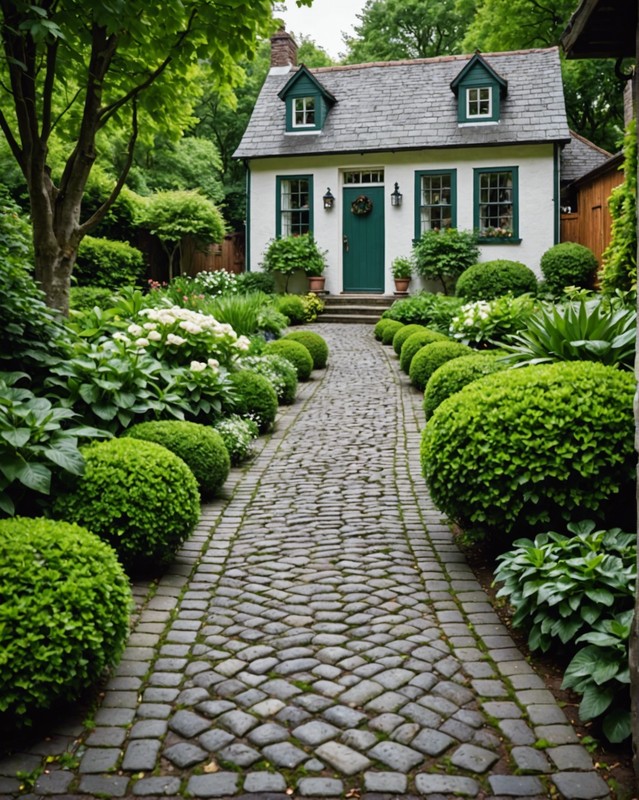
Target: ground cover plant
137,496
64,615
414,344
238,434
521,449
490,279
314,343
200,447
432,356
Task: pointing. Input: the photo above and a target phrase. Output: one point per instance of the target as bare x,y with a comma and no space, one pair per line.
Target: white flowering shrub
278,370
238,434
214,283
488,322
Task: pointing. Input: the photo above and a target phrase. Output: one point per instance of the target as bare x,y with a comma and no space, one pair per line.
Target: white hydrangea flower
149,326
135,330
141,342
213,363
154,336
173,338
120,336
243,343
197,366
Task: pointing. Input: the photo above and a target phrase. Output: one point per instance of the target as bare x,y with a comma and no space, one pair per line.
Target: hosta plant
583,330
560,585
487,323
600,673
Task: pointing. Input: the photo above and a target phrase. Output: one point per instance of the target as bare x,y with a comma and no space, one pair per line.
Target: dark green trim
477,173
418,196
478,74
247,224
305,84
278,199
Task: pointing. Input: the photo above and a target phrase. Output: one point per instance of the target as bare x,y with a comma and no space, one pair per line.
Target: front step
356,308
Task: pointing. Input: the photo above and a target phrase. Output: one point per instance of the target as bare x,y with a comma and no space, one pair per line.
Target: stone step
354,308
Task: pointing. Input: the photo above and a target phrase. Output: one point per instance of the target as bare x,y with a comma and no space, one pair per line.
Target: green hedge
64,614
403,334
255,398
108,264
380,327
293,308
136,495
389,331
491,279
294,352
568,264
314,343
200,447
529,447
452,376
414,344
433,355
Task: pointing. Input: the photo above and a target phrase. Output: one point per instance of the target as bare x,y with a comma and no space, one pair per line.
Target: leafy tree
79,67
397,29
172,216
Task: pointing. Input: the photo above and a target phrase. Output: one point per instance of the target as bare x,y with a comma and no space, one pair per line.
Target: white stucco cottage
368,156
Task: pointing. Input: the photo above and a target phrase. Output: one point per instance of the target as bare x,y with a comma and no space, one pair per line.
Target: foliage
487,323
238,434
568,264
560,585
313,306
245,313
531,447
619,260
597,329
414,344
490,279
218,282
256,282
108,264
38,440
200,447
431,356
402,267
294,352
389,330
443,255
278,370
314,343
601,674
85,298
380,326
453,375
64,615
293,308
434,311
403,334
255,398
172,216
398,29
291,253
136,495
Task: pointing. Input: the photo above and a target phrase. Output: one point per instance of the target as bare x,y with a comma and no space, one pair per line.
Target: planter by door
401,285
316,283
363,239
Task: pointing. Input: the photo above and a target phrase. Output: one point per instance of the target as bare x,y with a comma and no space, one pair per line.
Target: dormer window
480,91
303,112
479,102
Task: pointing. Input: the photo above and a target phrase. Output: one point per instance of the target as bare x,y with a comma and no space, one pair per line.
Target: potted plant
292,253
402,269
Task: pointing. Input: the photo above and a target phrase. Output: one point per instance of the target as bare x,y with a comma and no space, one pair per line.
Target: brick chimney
283,49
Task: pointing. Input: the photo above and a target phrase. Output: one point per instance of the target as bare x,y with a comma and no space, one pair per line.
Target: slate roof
409,105
580,157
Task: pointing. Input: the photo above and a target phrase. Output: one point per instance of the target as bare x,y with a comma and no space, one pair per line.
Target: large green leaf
35,476
17,437
595,701
617,725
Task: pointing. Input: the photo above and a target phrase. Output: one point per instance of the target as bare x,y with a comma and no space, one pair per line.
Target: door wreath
361,206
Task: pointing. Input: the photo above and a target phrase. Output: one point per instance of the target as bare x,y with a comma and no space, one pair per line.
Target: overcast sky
323,22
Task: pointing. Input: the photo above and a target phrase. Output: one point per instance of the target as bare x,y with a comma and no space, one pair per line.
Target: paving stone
315,732
280,689
239,754
313,702
155,787
238,722
342,758
215,740
284,754
141,755
405,733
320,787
431,742
389,701
472,758
261,782
106,737
386,782
570,757
343,716
528,759
269,733
361,693
213,708
428,784
55,782
396,756
219,784
99,759
188,724
359,739
104,785
185,755
580,785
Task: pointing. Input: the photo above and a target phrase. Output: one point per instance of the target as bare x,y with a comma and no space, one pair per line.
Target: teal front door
363,239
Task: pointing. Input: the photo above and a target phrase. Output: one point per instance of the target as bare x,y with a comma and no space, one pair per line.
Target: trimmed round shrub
380,327
403,334
200,447
524,449
278,370
294,352
568,264
293,308
64,615
255,398
454,375
314,343
388,334
414,344
492,279
138,496
107,263
433,355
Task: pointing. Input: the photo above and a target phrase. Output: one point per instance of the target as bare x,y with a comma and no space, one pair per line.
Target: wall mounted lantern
329,200
396,196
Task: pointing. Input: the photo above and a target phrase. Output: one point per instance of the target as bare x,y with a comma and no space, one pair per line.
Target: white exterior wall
537,212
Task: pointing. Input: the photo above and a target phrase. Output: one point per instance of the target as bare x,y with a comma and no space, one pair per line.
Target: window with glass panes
436,192
295,205
304,112
496,203
479,102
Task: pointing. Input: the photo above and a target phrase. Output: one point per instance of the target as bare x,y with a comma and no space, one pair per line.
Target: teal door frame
363,241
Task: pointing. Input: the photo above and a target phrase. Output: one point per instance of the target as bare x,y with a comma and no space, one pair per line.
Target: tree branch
12,142
47,91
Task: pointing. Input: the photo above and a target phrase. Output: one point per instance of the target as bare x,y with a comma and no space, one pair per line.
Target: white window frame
306,106
474,98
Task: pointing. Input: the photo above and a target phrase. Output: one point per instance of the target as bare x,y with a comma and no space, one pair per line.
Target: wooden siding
590,224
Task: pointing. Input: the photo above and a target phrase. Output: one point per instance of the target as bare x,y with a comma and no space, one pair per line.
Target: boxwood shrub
414,344
454,375
278,370
491,279
255,398
380,327
403,334
524,448
64,614
314,343
294,352
136,495
388,334
568,264
433,355
107,263
293,308
199,446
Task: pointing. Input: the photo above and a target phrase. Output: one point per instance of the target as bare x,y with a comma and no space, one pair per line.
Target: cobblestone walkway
320,635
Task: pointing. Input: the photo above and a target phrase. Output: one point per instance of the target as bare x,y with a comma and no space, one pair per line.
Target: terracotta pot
401,285
316,283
